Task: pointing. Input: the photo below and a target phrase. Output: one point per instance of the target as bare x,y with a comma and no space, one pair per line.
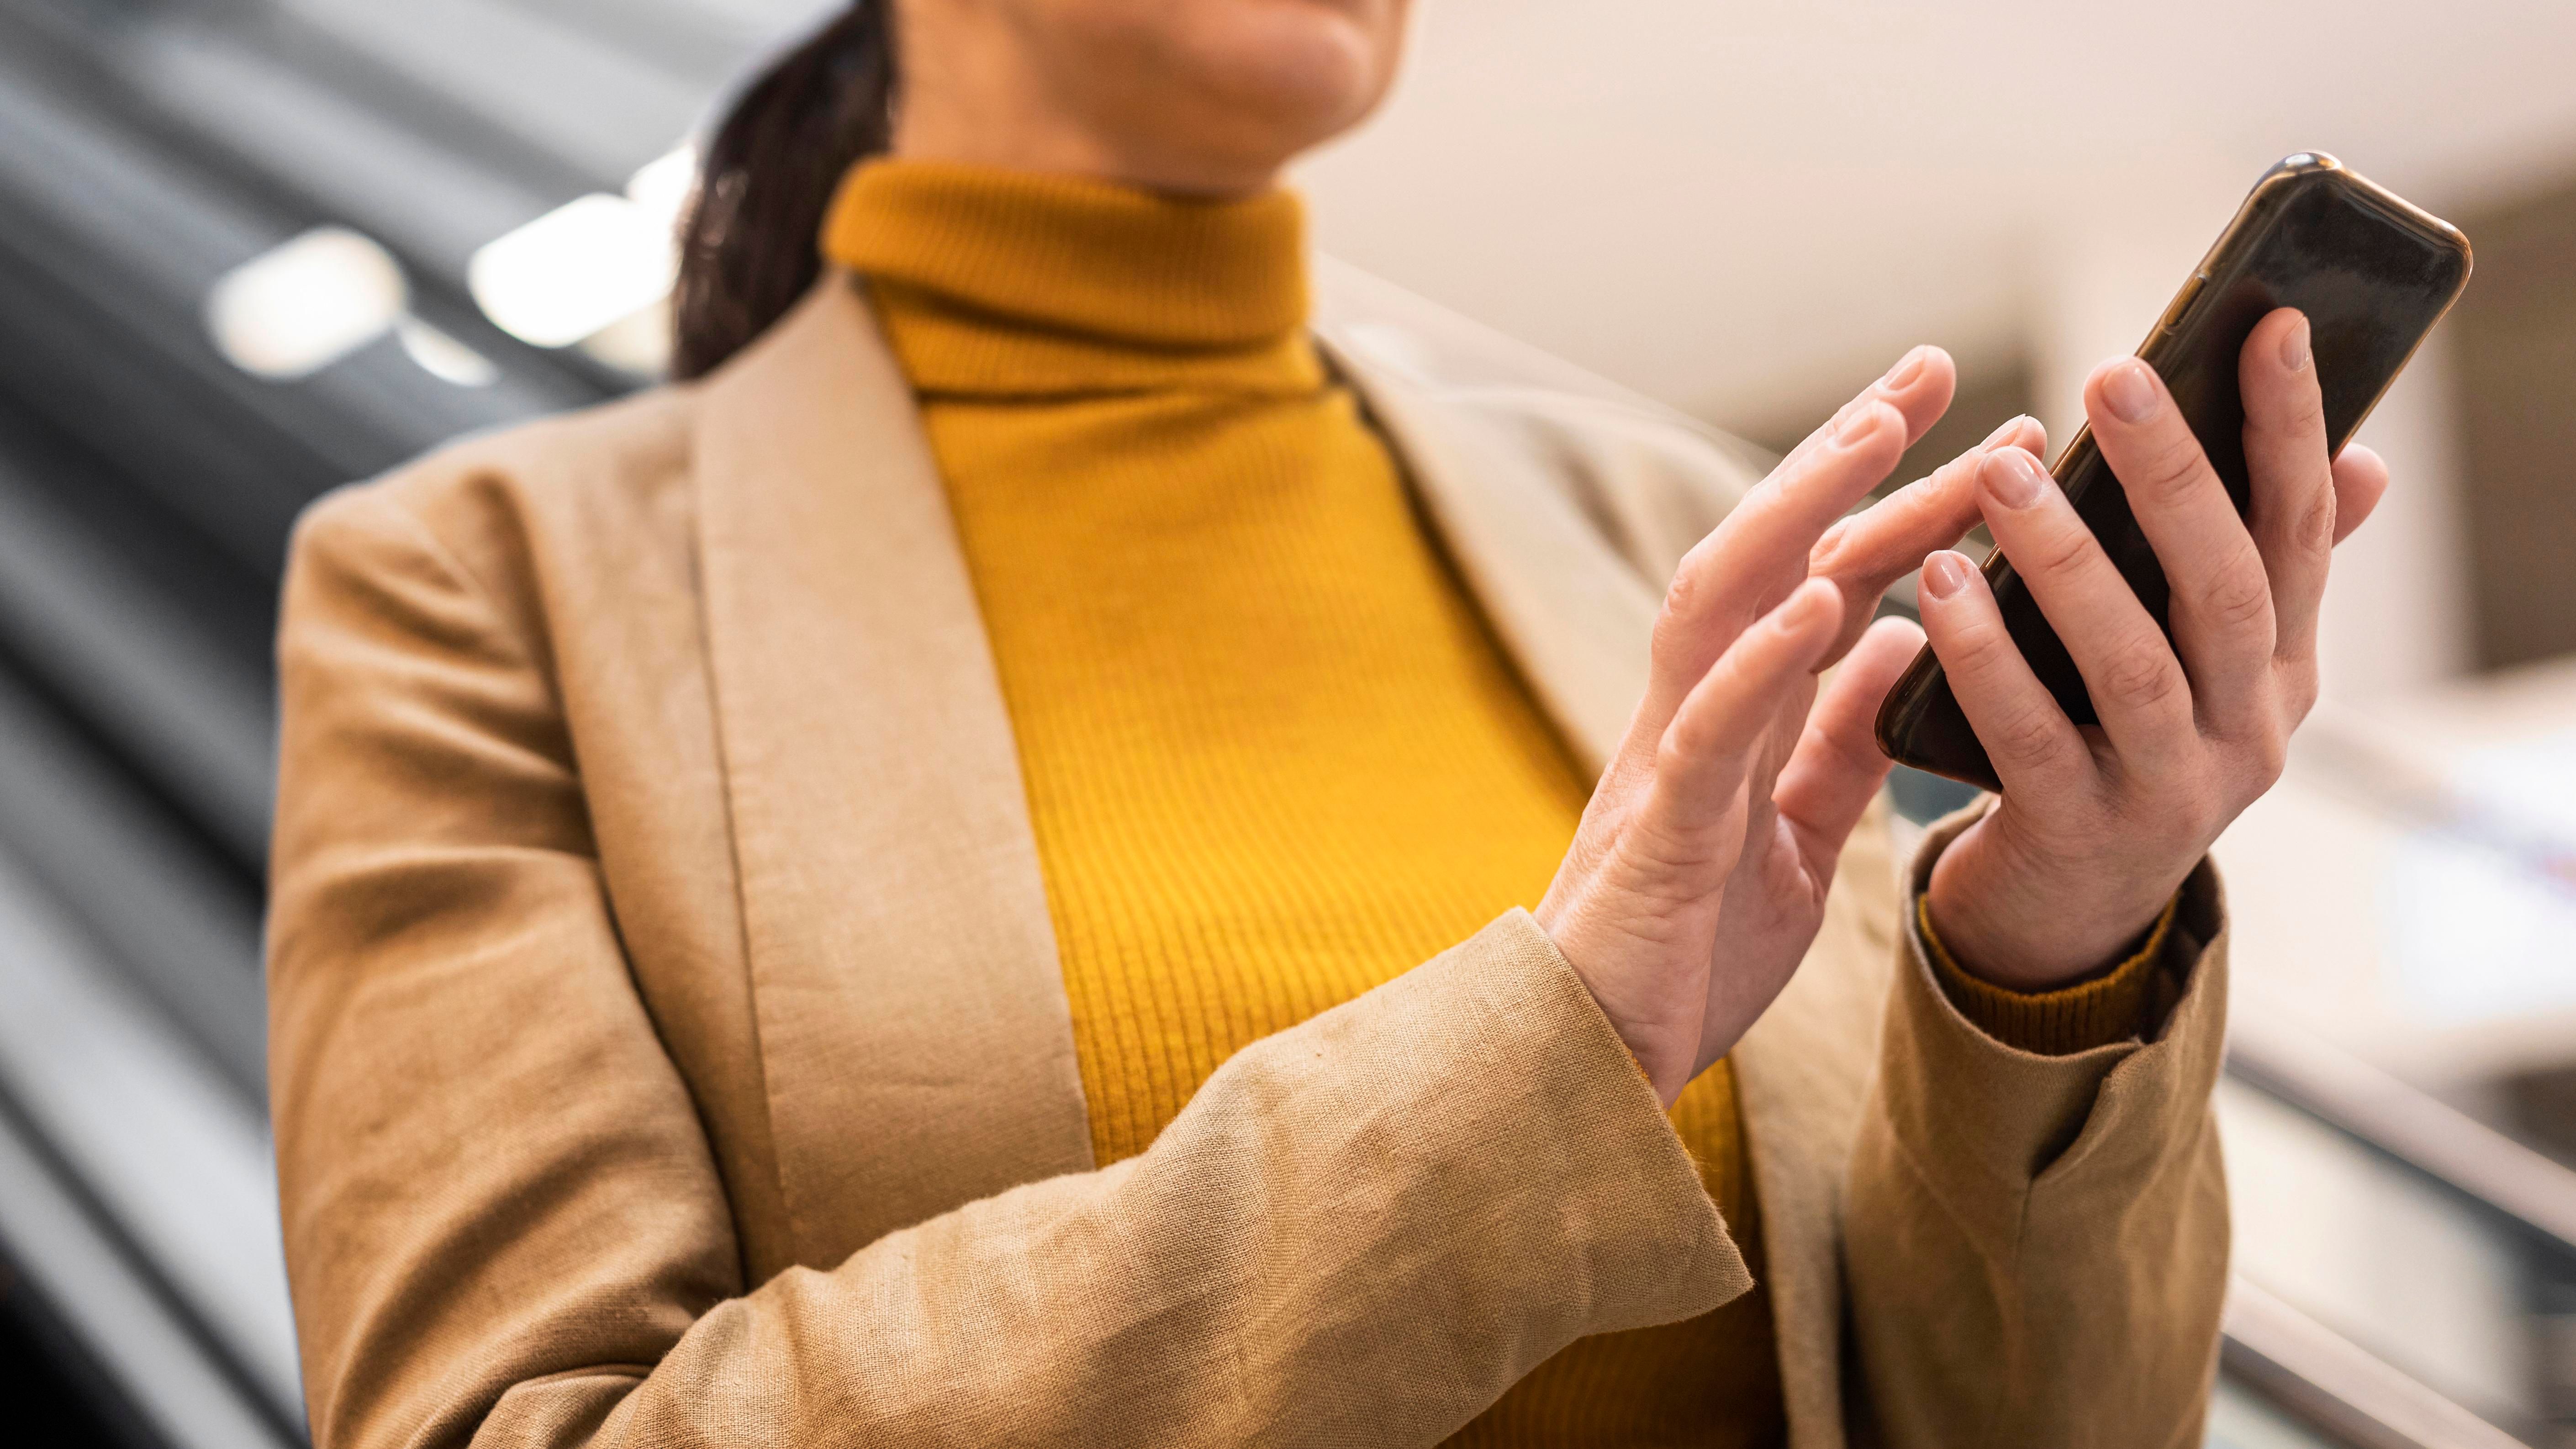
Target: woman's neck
987,104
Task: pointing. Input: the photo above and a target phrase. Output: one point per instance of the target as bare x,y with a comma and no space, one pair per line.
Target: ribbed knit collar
994,281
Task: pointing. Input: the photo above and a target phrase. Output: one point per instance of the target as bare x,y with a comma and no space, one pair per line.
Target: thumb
1837,766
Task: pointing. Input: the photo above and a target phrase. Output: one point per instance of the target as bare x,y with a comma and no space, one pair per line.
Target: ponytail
748,243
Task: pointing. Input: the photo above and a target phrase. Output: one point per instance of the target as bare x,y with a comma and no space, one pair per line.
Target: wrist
1654,1044
2016,920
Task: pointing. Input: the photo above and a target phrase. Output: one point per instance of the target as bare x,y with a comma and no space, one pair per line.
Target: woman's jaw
1202,97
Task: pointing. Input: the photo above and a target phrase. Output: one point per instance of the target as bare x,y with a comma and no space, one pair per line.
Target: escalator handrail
2337,1387
2407,1124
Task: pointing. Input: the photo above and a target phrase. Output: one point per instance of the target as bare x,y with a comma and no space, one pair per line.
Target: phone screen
2372,273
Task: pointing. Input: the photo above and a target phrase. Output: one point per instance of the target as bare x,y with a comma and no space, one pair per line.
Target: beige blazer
669,1047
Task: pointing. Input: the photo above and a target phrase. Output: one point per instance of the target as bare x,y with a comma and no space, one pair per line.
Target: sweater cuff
2109,1008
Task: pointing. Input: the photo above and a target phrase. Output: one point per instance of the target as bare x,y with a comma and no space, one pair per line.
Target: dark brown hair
747,244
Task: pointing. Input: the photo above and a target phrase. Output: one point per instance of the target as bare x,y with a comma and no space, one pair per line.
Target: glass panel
2408,893
2402,1268
2405,900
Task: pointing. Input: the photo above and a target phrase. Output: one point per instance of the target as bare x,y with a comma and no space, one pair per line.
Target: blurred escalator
149,152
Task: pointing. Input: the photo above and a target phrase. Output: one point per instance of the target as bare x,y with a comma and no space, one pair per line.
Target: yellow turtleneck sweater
1273,756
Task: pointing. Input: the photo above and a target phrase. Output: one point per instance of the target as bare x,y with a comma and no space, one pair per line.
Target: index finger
1915,392
1758,555
1870,550
1919,387
1751,561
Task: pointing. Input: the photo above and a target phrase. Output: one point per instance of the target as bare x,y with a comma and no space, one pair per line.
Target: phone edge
1911,694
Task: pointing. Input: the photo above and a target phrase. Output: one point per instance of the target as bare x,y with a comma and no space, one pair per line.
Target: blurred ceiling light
443,357
663,185
296,309
574,270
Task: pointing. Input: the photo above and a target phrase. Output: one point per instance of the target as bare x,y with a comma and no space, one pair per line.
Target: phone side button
2180,306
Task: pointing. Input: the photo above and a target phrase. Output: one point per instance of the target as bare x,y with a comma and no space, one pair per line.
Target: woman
959,877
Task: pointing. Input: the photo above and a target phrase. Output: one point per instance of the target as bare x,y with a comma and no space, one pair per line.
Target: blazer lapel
912,1016
1570,611
1801,1077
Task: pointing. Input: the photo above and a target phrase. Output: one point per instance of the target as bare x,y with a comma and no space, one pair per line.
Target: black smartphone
2373,274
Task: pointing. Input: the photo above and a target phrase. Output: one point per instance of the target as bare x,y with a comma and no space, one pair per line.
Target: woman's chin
1270,84
1308,67
1217,95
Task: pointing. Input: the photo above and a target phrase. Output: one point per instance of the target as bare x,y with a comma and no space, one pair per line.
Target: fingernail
2294,346
1999,436
1862,422
1907,368
2130,392
1944,574
2013,476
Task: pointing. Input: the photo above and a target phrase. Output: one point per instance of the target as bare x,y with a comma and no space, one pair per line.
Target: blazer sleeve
2037,1245
505,1225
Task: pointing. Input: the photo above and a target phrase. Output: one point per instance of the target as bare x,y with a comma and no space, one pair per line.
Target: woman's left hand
2097,827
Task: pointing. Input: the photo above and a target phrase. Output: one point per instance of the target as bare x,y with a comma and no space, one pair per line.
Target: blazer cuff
1982,1117
1580,1100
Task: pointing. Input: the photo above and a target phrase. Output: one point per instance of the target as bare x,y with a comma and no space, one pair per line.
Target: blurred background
250,249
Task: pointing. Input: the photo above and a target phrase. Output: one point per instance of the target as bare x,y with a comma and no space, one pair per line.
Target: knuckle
2312,525
1983,648
1682,746
2249,762
1673,754
2181,813
2171,468
2239,594
1697,739
2308,419
1681,645
2062,550
1690,584
1666,645
2142,676
2030,737
2303,412
1653,854
1820,558
2197,823
2267,758
2298,692
1628,773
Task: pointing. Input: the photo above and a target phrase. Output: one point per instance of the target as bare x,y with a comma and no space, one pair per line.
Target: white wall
1739,207
1722,202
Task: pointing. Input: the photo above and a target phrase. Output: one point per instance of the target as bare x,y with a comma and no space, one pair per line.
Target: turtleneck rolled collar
1003,281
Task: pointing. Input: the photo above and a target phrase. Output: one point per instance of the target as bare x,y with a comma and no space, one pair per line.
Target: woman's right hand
1697,878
